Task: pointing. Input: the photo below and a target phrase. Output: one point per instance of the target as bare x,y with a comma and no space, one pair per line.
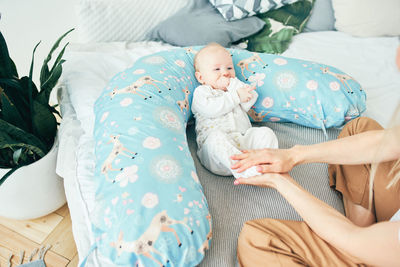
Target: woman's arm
378,244
366,147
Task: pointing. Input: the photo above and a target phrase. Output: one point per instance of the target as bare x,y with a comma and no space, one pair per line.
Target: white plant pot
34,190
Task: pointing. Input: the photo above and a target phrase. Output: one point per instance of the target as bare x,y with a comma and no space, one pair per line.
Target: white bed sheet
371,61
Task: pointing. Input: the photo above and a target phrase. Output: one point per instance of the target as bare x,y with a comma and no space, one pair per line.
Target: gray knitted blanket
231,206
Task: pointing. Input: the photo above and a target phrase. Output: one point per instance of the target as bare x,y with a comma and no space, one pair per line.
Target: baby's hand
244,93
223,83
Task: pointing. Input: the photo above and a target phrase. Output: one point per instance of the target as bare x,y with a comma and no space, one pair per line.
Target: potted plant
28,130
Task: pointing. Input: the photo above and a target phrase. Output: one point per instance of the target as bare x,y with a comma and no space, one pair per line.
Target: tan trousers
353,180
270,242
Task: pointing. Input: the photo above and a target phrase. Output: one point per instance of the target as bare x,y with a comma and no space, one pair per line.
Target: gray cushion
230,206
200,24
322,17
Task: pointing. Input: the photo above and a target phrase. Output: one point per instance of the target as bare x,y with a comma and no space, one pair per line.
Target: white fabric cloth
395,217
216,152
223,128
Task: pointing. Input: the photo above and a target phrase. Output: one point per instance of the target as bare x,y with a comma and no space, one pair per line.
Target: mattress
88,69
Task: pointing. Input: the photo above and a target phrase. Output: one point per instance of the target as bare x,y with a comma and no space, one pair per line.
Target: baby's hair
196,61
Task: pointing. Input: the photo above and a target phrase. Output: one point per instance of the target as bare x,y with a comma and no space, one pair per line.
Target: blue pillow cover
150,207
299,91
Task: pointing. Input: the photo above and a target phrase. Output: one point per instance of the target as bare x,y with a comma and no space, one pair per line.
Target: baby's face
216,68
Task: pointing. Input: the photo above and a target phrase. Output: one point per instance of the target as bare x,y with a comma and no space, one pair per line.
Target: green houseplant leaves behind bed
280,26
28,125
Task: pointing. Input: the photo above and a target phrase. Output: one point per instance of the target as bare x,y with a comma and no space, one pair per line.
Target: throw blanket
281,25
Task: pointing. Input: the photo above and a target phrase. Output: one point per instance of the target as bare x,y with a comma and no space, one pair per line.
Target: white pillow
122,20
367,18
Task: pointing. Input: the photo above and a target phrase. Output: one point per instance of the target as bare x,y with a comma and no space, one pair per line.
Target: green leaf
30,82
293,17
25,81
34,153
13,139
55,111
44,72
17,155
17,91
11,82
48,86
5,176
7,66
10,113
6,158
11,136
44,124
19,96
59,57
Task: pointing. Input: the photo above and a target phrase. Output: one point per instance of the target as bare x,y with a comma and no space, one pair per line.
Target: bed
89,67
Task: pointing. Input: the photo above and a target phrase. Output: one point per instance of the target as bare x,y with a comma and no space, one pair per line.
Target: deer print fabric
150,207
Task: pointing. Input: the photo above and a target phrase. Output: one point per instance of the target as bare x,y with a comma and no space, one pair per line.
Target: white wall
25,22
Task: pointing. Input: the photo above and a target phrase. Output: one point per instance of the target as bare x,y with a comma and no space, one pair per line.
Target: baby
220,106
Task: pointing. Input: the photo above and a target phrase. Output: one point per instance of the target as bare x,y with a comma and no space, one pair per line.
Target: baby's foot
250,172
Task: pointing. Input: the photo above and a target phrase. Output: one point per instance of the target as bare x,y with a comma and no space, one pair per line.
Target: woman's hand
270,180
268,160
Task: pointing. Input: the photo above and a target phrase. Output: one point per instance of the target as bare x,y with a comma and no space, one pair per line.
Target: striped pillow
122,20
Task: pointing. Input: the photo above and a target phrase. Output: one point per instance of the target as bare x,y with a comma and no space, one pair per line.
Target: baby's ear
198,77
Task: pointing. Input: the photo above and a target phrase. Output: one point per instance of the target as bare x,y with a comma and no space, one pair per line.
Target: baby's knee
267,131
266,136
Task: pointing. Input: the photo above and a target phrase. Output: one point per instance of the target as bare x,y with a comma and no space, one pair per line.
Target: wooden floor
53,229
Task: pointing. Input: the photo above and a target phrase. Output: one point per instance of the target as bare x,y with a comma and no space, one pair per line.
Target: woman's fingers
244,164
248,181
259,180
245,154
241,166
265,180
265,168
240,156
268,160
244,161
249,150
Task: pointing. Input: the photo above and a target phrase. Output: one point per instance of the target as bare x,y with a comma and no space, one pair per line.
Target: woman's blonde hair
391,132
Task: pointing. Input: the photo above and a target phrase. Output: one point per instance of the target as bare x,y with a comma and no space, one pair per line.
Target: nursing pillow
299,91
150,207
